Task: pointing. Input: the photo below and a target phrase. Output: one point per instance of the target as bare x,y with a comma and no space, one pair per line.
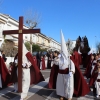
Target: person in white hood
25,73
65,79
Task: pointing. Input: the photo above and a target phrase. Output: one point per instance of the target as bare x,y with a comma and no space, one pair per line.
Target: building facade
8,23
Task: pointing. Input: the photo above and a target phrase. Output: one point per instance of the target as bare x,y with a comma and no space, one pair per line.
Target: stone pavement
40,91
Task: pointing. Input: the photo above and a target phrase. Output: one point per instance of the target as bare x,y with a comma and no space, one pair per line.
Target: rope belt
25,67
65,71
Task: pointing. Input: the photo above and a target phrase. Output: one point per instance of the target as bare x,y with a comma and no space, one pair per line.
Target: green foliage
27,44
35,47
43,50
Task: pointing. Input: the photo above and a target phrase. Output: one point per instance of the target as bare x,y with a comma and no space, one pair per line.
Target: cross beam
20,33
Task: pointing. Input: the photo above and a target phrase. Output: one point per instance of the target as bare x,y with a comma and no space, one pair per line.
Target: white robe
46,60
41,65
25,78
25,82
65,83
97,85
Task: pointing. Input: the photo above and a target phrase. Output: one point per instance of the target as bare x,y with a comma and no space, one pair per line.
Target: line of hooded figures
65,76
45,61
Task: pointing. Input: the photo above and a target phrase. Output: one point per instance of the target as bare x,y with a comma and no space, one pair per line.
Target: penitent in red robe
36,75
4,73
34,58
93,76
77,58
43,63
92,81
53,76
87,72
81,87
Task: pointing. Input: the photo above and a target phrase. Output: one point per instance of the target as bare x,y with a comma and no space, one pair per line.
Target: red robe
85,59
77,58
80,59
87,72
92,80
53,77
93,76
81,87
36,75
4,73
13,76
43,64
34,58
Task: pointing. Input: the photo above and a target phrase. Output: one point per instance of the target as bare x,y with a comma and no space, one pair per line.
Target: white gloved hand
70,73
29,64
16,61
24,64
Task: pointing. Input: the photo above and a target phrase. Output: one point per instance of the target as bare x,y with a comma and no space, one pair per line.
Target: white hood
64,53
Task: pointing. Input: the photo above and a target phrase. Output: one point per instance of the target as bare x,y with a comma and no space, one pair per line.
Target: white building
54,45
8,23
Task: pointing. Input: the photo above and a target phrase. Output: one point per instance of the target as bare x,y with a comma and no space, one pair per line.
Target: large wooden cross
20,33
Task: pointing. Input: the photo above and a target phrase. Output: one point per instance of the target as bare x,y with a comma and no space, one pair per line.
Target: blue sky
74,17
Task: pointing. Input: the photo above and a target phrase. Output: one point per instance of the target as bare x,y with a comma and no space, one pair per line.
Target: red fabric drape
87,72
81,87
43,64
36,75
53,77
93,79
5,76
77,58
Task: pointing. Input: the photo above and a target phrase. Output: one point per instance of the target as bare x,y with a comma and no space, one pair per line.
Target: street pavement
40,91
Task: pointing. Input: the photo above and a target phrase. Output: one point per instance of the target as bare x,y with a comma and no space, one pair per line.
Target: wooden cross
20,33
